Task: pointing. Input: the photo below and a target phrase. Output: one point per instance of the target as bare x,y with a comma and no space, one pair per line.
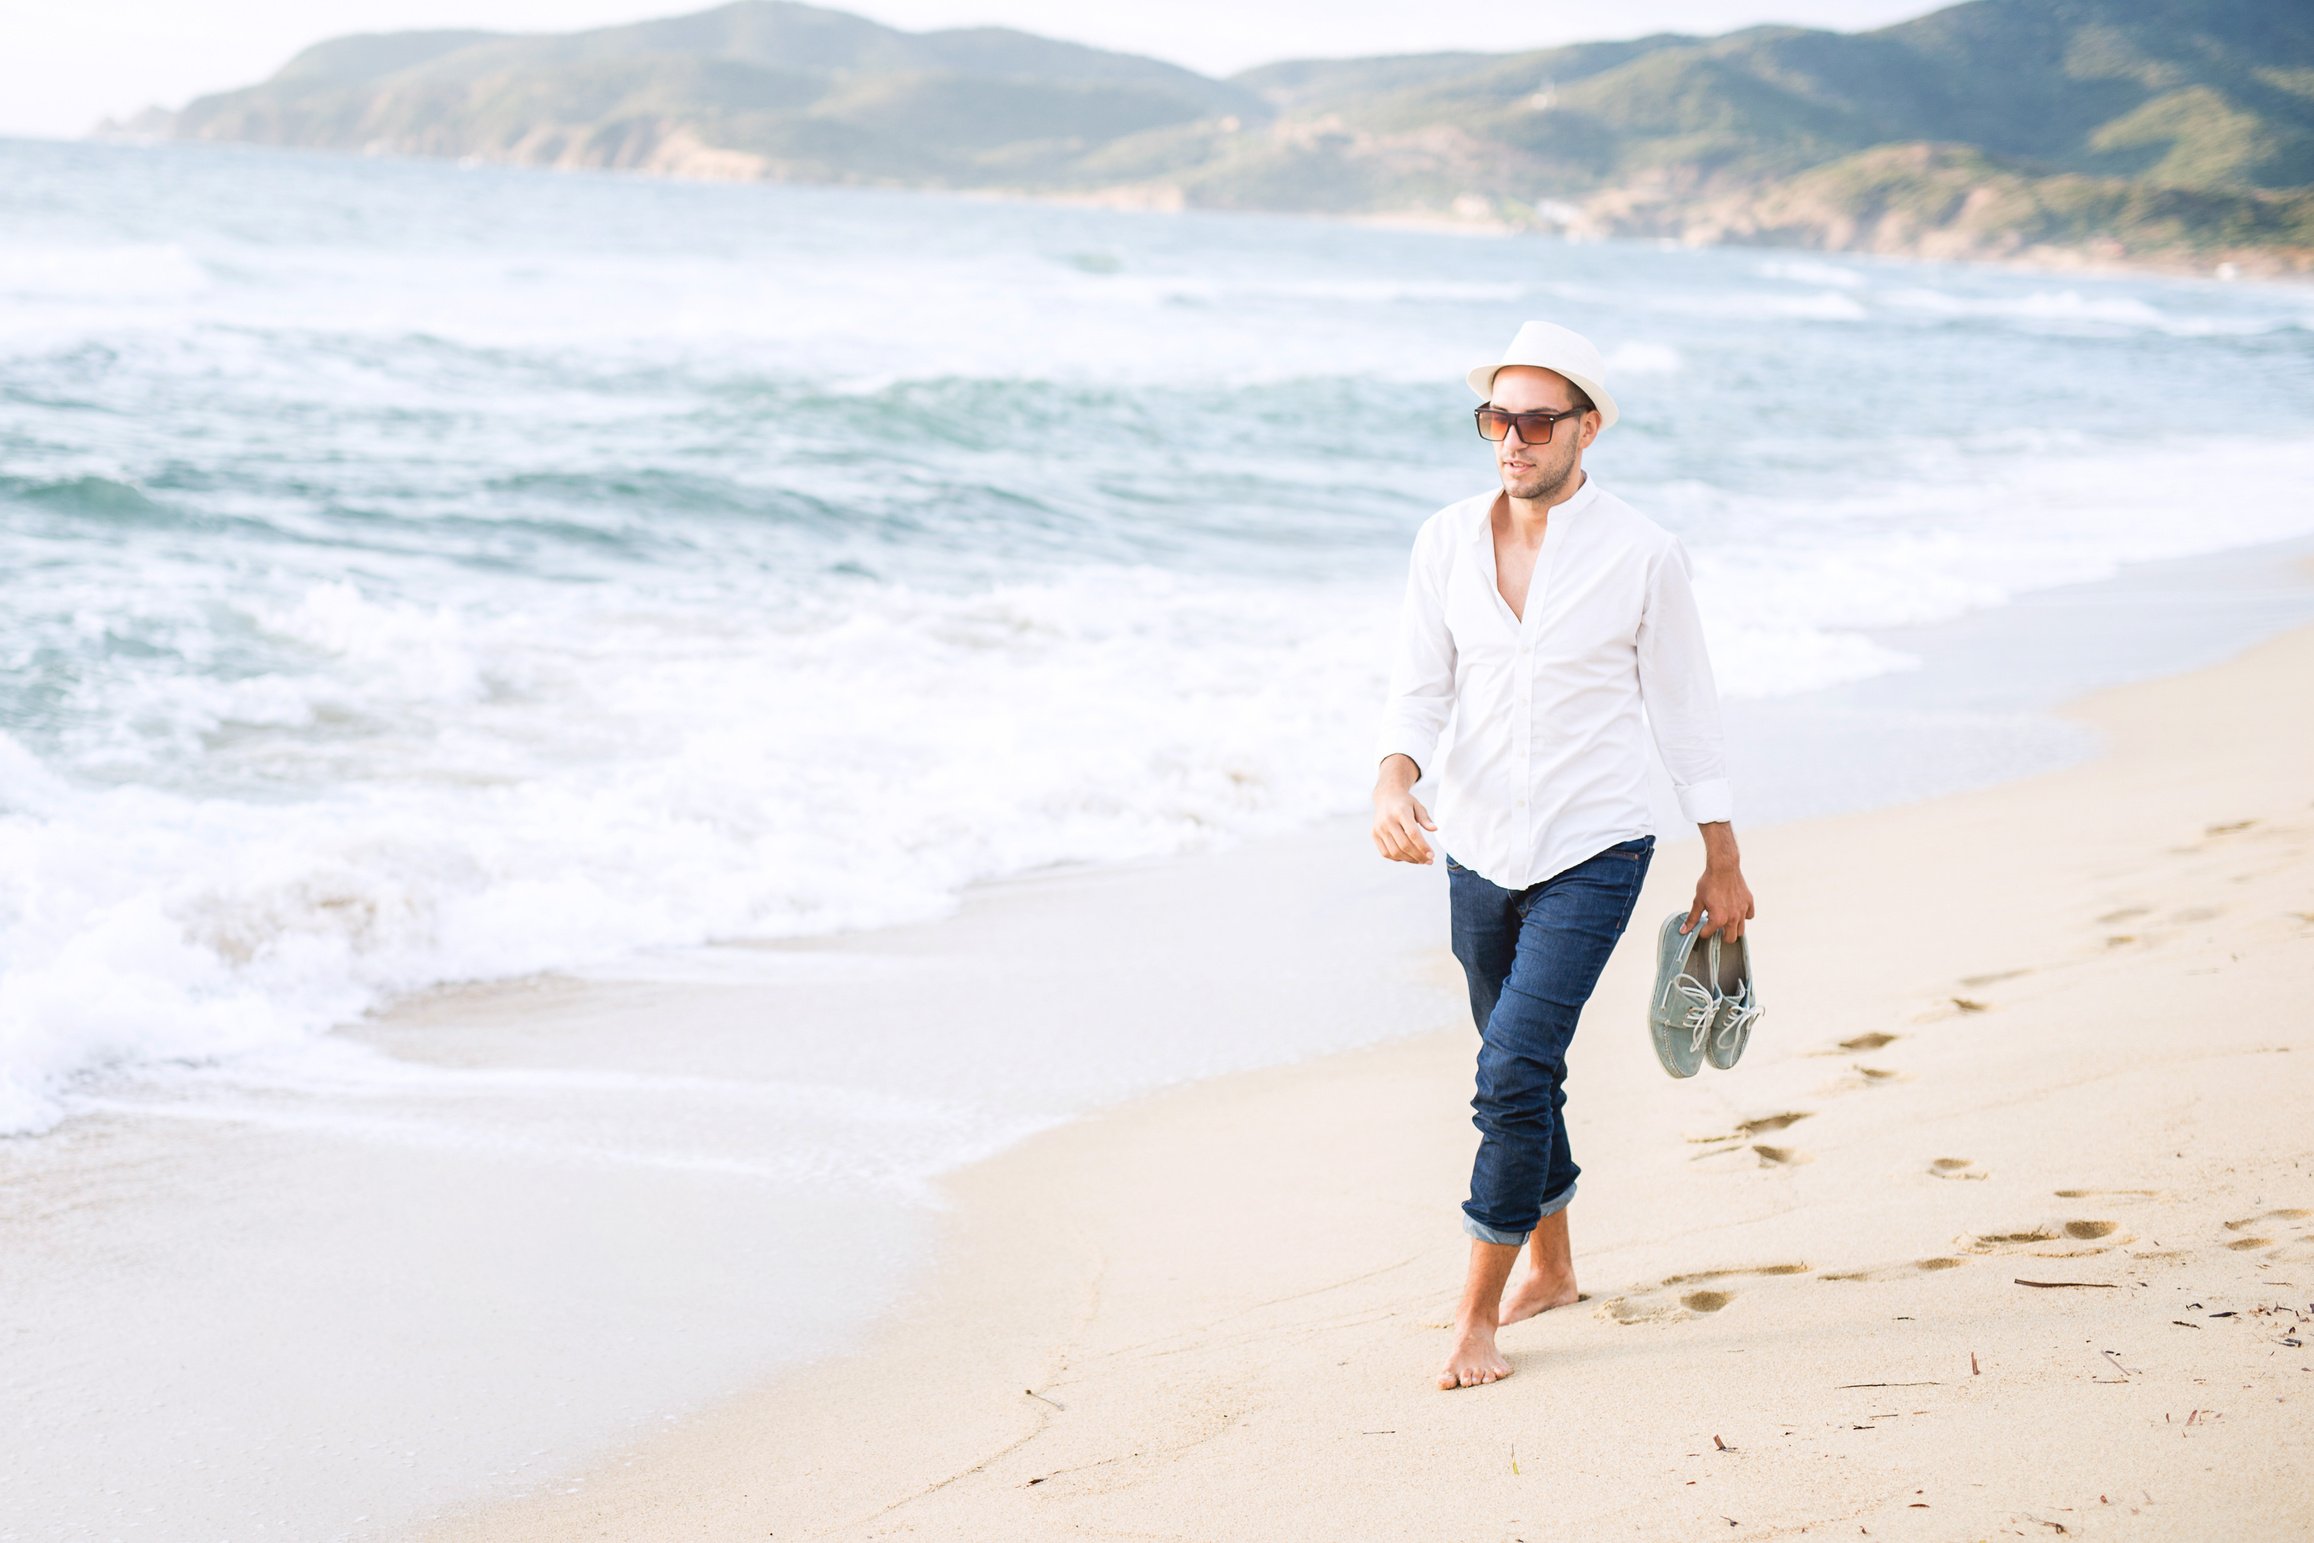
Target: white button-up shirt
1548,763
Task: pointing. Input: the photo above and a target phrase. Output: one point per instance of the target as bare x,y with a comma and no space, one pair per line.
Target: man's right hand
1399,820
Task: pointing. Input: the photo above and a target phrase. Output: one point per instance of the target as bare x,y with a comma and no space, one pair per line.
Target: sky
66,66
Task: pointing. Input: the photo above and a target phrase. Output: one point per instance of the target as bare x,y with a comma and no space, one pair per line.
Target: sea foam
410,576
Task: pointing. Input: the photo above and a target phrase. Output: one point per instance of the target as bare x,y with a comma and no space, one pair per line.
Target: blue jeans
1532,957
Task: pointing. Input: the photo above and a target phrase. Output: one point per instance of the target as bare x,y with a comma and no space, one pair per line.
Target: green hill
756,89
2193,92
2176,130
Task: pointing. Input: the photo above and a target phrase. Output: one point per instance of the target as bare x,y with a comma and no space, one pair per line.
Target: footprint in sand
1678,1297
1857,1074
1864,1044
1933,1265
2051,1240
2124,1195
1770,1122
1743,1134
2274,1232
1955,1168
2268,1216
2225,828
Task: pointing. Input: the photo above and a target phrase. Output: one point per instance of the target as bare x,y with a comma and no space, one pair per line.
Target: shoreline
1222,1297
2247,265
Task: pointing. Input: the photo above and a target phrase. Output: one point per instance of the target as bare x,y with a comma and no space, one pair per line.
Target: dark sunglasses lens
1493,425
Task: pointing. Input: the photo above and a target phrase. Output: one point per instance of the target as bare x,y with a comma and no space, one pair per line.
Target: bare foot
1539,1294
1475,1360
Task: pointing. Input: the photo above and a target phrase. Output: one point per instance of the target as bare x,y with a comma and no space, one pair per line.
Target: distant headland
2178,133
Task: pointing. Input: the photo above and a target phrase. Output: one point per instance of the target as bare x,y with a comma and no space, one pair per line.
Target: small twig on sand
1040,1398
2085,1285
1890,1385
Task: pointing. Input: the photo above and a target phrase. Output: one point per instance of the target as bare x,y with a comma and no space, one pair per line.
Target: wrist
1396,778
1719,846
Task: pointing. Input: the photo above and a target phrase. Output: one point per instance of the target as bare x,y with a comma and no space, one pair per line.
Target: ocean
413,573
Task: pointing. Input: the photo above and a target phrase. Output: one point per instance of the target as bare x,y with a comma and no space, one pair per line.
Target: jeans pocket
1451,865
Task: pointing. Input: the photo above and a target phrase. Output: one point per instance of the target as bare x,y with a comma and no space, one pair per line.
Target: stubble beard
1544,482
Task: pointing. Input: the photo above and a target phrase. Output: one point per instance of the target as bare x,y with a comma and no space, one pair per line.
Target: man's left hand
1722,899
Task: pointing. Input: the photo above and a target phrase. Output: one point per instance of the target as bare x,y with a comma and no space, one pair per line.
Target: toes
1472,1376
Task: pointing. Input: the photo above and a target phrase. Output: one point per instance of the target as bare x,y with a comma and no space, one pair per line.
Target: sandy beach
586,950
2004,1227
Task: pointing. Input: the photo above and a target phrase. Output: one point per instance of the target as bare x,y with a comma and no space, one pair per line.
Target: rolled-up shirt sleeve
1422,667
1676,687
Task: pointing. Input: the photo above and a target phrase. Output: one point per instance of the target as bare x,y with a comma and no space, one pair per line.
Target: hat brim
1481,381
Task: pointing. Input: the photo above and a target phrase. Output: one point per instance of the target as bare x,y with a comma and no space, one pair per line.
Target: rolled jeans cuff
1485,1234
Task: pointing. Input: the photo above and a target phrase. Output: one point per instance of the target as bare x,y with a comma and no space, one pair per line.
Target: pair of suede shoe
1705,999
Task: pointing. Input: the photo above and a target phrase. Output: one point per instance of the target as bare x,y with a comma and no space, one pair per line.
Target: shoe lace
1702,1005
1741,1010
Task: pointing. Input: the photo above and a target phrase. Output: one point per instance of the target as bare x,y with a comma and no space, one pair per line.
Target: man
1543,618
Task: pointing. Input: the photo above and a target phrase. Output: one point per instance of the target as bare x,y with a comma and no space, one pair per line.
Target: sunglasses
1534,428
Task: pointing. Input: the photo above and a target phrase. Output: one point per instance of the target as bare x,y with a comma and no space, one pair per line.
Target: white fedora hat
1553,347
